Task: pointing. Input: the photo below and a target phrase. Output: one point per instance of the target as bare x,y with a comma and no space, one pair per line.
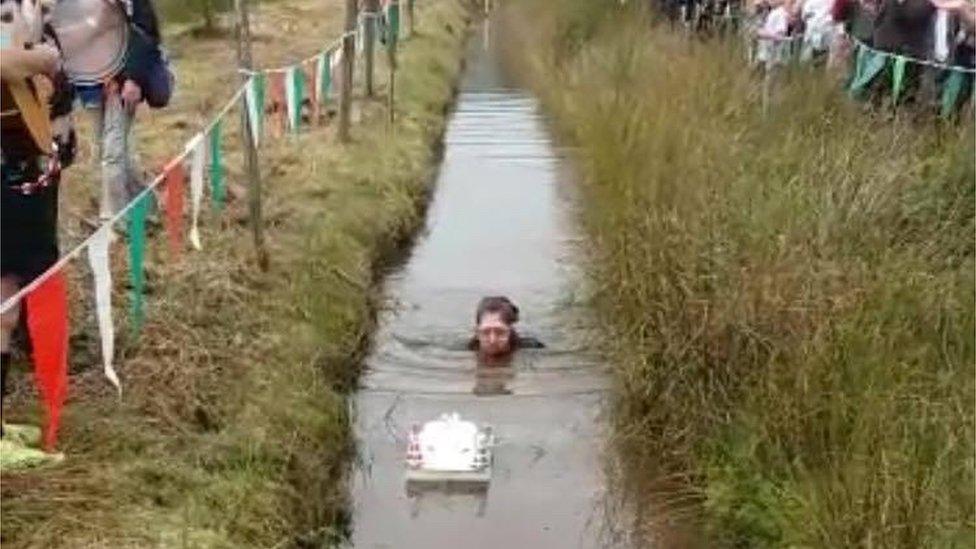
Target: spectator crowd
909,51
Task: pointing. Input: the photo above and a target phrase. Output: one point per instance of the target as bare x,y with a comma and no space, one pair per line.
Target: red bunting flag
175,191
276,102
47,324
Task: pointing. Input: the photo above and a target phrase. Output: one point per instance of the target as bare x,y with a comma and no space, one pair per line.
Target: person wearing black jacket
30,175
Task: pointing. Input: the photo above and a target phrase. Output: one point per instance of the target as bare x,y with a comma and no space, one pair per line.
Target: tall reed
788,300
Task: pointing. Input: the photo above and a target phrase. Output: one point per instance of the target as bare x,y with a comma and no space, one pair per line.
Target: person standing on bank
116,62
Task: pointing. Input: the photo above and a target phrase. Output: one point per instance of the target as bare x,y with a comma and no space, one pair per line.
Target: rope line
935,64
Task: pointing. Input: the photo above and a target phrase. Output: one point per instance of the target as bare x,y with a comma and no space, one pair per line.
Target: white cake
449,449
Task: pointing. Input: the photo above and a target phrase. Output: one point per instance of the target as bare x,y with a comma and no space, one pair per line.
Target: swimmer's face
494,335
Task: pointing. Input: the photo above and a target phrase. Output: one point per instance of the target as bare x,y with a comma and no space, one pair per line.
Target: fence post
392,37
410,12
348,57
243,32
372,11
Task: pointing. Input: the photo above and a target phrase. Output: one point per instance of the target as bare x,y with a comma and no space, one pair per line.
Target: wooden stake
348,57
243,32
372,12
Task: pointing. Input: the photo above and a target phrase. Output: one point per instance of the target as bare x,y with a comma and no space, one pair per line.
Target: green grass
234,429
788,301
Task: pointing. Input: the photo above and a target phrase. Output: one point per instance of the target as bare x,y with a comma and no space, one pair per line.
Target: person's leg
8,321
97,112
114,166
133,180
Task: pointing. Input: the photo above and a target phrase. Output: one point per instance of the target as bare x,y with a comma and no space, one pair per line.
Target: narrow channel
501,223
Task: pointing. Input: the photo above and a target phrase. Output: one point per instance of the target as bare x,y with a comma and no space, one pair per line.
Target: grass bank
788,302
234,427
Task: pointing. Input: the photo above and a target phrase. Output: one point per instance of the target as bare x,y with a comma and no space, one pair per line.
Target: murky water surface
501,223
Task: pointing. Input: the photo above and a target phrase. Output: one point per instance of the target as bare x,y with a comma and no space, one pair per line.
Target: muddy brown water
501,222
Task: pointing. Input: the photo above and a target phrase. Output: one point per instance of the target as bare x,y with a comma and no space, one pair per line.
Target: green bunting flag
254,99
323,69
951,89
898,77
294,96
869,64
216,167
392,23
137,254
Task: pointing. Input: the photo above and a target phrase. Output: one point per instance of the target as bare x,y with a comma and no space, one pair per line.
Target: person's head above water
495,320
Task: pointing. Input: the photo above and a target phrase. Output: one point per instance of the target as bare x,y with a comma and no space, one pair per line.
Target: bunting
951,90
175,197
47,324
294,96
277,101
216,167
323,74
898,77
335,69
137,254
869,63
98,259
360,36
45,298
313,94
392,10
198,155
254,98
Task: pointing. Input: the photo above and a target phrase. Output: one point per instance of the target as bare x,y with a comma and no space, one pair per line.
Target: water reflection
493,380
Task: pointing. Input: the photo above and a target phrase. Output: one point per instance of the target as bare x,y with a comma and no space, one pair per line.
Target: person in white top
773,36
773,47
818,29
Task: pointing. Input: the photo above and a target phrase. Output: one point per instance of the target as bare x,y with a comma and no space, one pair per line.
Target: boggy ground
233,429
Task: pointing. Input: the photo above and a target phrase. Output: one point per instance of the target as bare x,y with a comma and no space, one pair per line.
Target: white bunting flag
198,152
335,67
322,77
292,100
102,273
360,36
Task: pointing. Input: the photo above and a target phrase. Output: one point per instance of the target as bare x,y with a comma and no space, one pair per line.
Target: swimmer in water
495,336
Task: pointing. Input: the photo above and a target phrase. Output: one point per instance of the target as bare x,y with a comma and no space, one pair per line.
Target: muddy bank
234,428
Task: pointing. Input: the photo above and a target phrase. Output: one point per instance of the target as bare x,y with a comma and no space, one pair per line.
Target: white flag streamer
291,100
360,34
321,66
335,66
254,111
98,259
197,162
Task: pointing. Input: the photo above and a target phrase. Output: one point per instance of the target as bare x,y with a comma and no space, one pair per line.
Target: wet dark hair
500,305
